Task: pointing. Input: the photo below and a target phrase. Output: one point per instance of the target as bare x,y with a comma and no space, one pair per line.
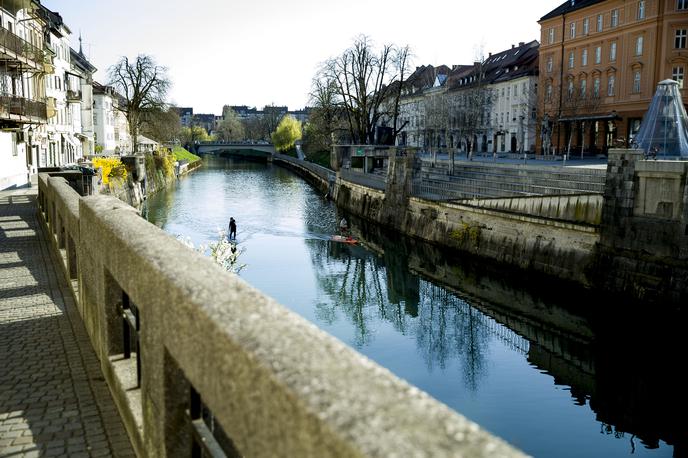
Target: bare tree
143,86
364,80
162,125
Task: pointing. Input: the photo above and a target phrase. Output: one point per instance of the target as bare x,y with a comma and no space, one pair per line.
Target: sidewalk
53,398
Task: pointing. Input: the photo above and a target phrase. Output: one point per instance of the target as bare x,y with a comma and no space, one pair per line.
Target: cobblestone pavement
53,398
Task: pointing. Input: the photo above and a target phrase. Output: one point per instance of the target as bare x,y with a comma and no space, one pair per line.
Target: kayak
341,238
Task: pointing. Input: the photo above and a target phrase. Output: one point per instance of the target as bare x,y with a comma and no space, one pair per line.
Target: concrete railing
190,351
580,208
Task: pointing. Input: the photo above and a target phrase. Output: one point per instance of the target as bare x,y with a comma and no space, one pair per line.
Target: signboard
360,152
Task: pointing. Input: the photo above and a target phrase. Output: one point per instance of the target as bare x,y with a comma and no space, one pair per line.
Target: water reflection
553,370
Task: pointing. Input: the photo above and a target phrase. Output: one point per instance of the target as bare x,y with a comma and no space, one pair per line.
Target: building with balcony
22,93
600,62
80,92
62,86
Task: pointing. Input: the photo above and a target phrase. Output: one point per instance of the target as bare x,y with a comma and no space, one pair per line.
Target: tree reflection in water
365,289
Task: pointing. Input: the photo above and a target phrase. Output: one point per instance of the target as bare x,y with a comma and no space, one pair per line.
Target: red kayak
341,238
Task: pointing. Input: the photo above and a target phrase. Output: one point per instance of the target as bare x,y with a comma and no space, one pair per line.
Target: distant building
185,115
600,63
104,100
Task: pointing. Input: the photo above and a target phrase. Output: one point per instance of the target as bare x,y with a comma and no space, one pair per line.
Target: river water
534,363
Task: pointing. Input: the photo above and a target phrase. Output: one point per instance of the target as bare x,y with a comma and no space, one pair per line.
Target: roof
506,65
141,140
568,7
80,60
54,20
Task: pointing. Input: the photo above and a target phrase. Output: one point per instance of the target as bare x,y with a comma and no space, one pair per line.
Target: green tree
231,127
143,86
287,133
190,135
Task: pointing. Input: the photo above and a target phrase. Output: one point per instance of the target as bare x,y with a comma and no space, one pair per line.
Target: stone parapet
174,332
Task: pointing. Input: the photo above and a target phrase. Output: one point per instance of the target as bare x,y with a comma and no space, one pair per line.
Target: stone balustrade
190,351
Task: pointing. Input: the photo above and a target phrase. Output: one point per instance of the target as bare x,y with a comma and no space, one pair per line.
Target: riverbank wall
147,174
631,240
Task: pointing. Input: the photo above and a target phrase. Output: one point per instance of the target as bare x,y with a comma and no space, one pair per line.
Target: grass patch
181,153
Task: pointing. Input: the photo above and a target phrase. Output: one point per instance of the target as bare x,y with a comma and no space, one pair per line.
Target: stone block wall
644,233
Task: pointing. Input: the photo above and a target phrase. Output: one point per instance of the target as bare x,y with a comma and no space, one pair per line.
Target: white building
22,91
514,109
80,91
104,118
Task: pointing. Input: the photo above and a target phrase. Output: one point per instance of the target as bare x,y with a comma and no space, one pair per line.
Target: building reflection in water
623,362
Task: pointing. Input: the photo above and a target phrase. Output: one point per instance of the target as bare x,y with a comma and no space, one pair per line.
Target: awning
600,117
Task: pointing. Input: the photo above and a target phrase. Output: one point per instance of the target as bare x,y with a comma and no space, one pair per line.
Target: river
531,362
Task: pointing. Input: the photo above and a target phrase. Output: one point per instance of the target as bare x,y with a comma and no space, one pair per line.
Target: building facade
600,62
23,111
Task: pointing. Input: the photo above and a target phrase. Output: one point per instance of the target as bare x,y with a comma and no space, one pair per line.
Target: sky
260,52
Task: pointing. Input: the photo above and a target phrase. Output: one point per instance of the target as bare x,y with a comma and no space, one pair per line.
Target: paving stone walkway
53,397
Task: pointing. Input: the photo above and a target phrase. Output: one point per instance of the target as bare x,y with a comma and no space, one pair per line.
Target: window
639,46
572,59
549,64
680,40
583,88
596,87
570,89
584,57
611,81
600,18
586,25
641,9
636,82
612,52
508,92
598,54
678,75
551,35
548,92
515,90
615,18
682,4
573,30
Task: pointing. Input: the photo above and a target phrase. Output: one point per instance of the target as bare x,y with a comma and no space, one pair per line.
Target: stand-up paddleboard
341,238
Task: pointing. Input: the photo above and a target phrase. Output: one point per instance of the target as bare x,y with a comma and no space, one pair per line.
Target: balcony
73,96
14,47
21,110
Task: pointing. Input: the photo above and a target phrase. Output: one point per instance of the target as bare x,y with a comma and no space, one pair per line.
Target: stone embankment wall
632,240
551,235
320,177
148,174
644,232
275,384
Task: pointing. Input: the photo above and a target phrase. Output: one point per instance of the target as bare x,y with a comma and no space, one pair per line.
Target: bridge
245,149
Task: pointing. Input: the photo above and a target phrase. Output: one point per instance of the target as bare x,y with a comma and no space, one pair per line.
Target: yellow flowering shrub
112,168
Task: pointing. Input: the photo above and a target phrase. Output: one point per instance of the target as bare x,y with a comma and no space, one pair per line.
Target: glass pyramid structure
664,129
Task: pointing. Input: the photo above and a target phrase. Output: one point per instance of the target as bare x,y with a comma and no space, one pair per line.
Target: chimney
489,54
521,43
513,46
